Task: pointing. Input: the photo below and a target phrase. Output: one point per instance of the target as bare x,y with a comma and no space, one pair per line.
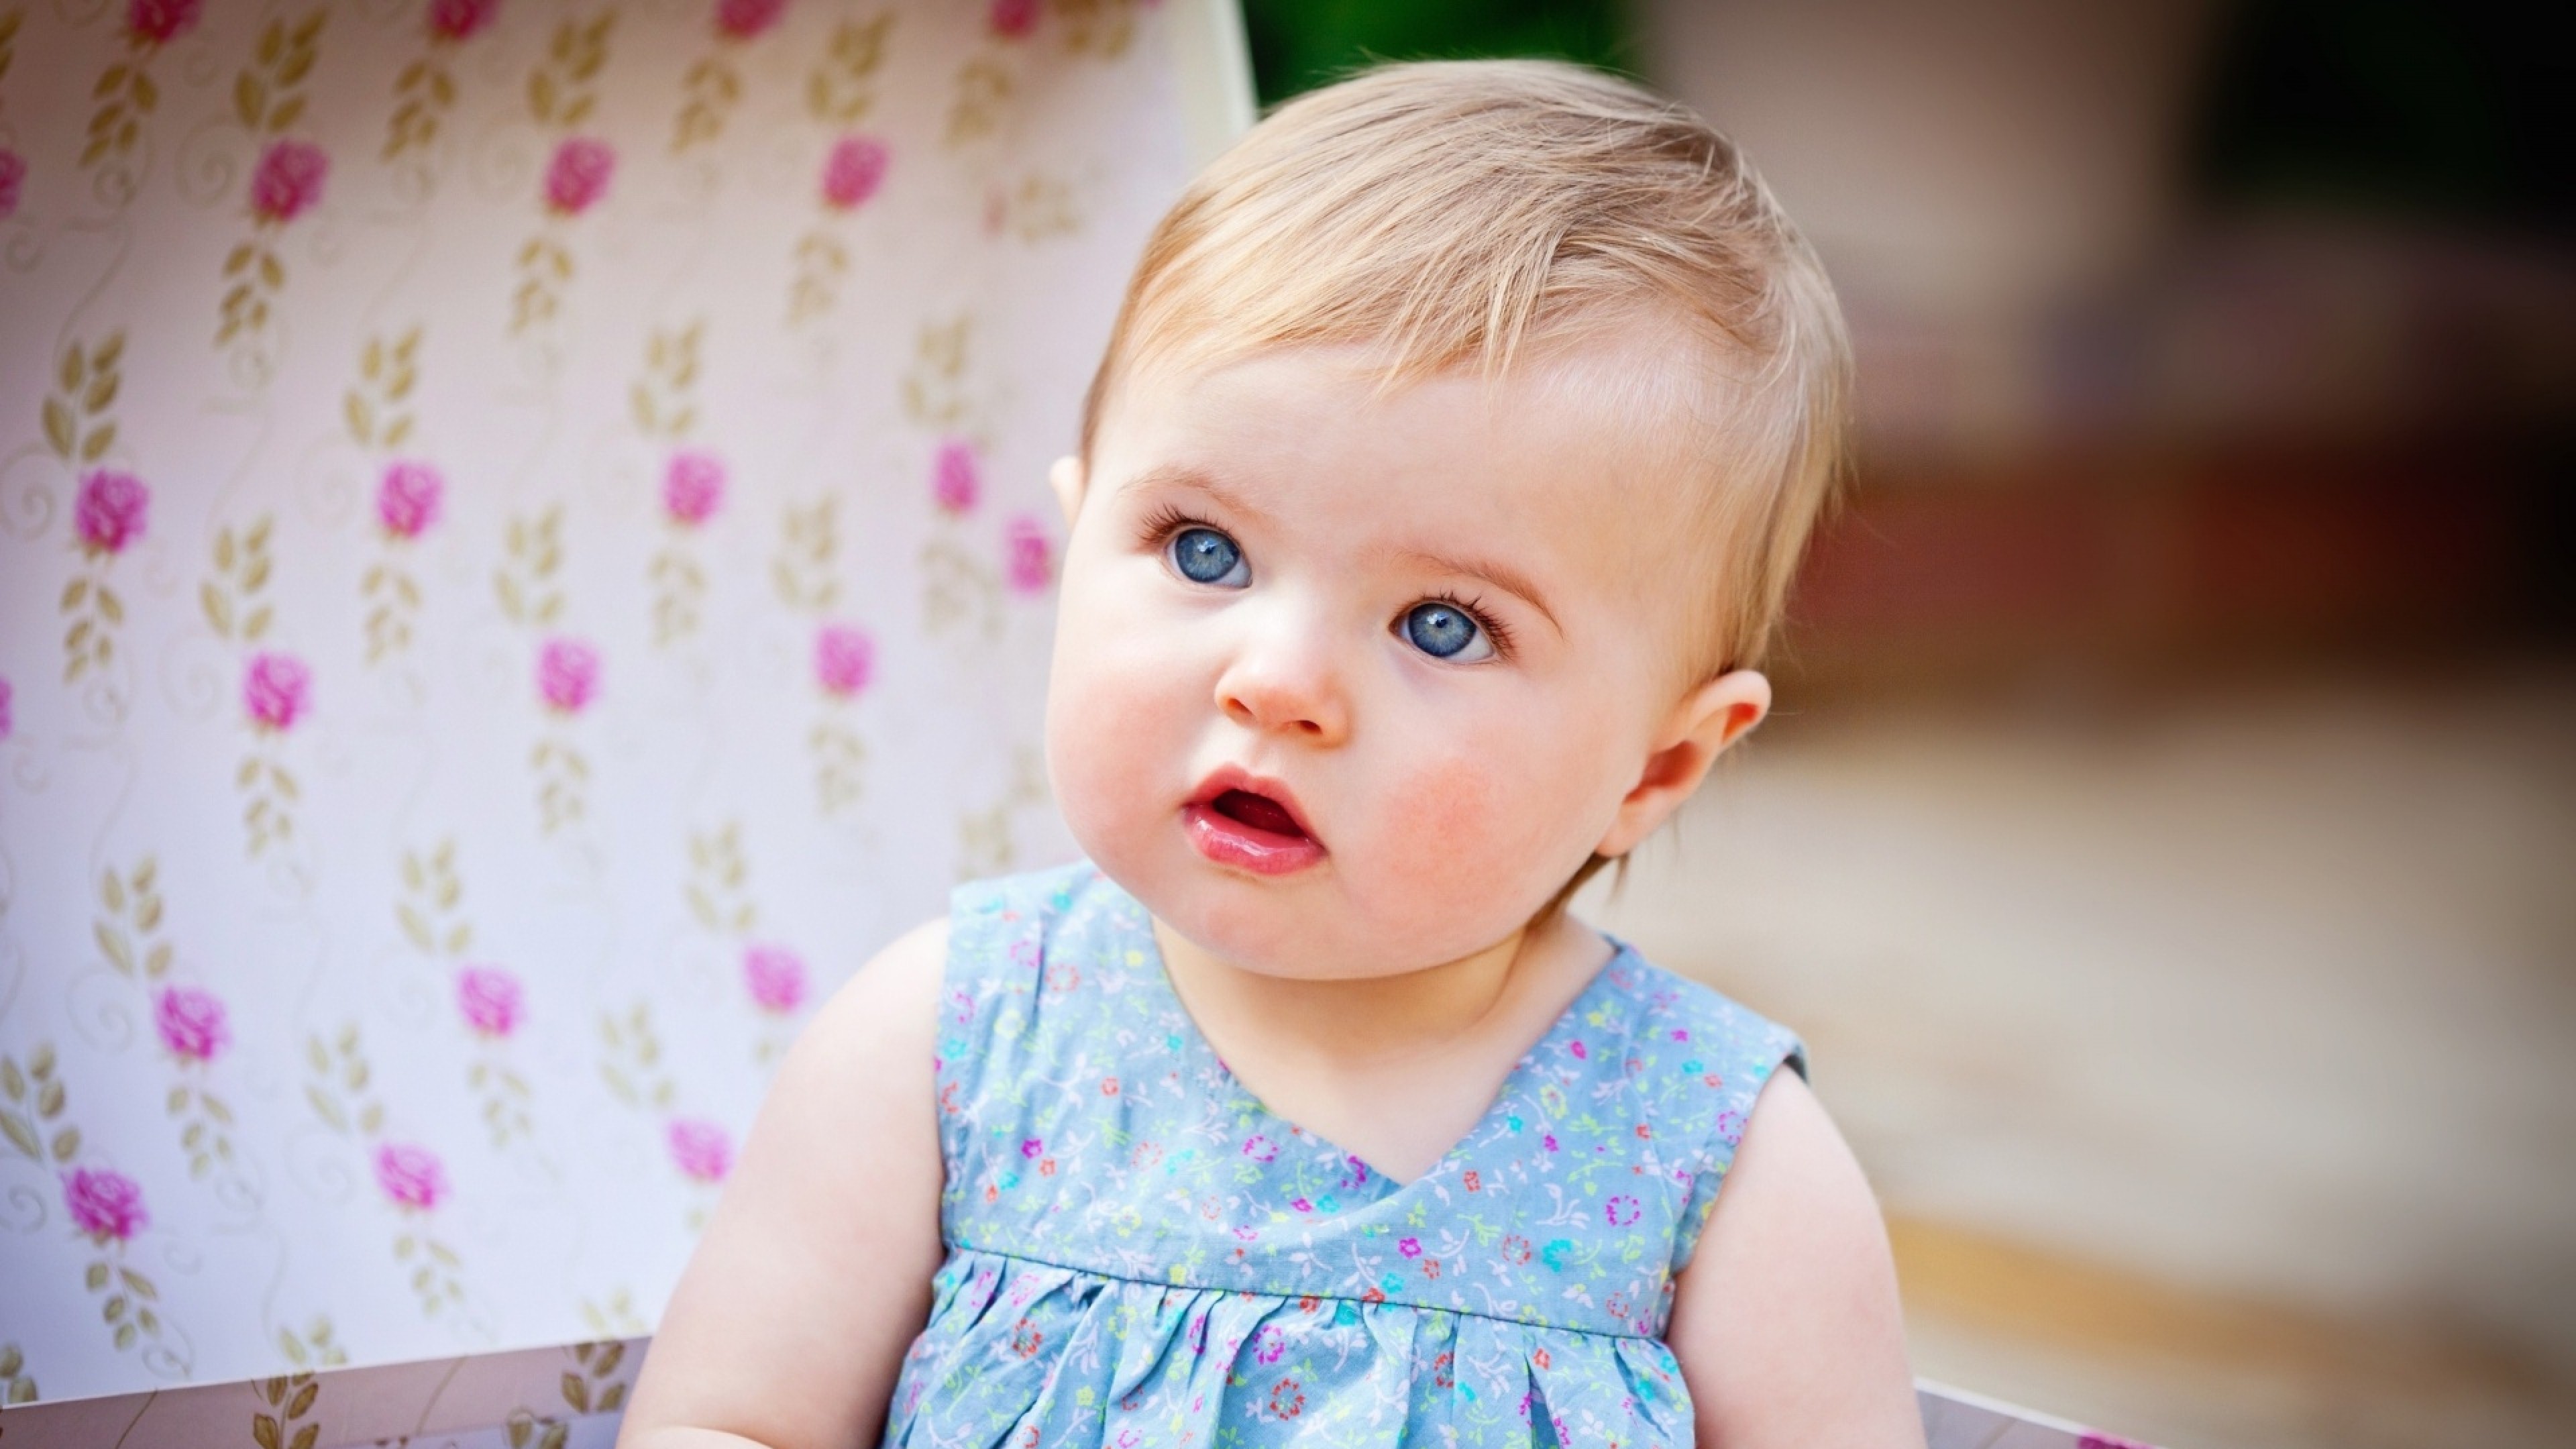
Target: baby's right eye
1205,556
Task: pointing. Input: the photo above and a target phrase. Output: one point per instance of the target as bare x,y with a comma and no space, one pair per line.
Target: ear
1068,478
1701,726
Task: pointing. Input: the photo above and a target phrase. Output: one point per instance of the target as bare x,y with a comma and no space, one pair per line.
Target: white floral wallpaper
523,560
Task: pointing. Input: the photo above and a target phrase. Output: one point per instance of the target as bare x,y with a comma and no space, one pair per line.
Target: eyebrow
1182,475
1500,575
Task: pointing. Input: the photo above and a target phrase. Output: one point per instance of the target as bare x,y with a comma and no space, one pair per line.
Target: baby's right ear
1068,478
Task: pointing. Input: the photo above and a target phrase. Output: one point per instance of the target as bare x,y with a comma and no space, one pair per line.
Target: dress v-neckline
1513,1084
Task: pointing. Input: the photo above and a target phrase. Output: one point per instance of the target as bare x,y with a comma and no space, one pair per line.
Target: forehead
1567,461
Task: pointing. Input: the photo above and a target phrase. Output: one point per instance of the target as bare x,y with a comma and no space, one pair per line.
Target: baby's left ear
1067,479
1701,726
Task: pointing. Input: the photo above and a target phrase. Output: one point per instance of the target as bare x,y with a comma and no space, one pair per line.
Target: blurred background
2168,841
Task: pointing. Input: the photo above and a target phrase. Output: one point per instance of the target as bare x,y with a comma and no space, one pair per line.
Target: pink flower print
13,177
743,19
852,173
703,1151
104,1204
1260,1148
277,690
411,1175
459,19
1268,1343
112,511
288,181
567,675
1032,1146
776,977
693,486
955,479
408,498
491,999
1578,1050
578,176
191,1023
1012,19
845,659
161,21
1622,1211
1410,1247
1028,559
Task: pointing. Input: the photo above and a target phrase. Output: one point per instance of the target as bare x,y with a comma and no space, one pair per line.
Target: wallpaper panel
523,560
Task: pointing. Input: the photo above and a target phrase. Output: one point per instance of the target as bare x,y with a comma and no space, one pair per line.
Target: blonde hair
1457,213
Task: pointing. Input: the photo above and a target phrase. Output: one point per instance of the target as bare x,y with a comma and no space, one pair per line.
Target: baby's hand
789,1327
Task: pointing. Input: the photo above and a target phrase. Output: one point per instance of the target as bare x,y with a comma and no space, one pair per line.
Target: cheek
1496,827
1117,713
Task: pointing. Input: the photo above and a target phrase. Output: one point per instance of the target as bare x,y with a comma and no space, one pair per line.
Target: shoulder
895,994
1715,1028
1786,1321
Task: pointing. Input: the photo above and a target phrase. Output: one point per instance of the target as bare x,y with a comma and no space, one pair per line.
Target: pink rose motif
104,1204
578,176
956,481
845,659
854,170
1028,559
693,485
289,180
459,19
1012,18
743,19
407,500
191,1023
490,998
13,177
776,977
161,21
112,510
703,1151
277,690
1622,1211
567,675
1410,1247
411,1176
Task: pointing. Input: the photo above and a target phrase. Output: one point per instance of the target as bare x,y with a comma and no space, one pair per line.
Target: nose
1283,681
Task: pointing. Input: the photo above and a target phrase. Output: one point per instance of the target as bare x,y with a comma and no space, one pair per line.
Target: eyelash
1170,519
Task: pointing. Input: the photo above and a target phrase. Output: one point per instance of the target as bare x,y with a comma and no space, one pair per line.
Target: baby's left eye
1445,631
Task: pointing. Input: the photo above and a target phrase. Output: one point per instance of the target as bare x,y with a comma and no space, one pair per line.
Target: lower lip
1228,841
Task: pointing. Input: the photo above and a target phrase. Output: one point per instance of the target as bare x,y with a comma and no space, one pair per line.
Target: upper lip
1235,777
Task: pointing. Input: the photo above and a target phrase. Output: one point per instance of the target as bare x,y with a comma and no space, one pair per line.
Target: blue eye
1205,556
1444,631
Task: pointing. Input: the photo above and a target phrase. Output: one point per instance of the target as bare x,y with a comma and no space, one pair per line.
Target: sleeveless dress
1140,1253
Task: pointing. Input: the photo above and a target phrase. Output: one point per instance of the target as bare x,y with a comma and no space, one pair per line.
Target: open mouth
1258,811
1250,825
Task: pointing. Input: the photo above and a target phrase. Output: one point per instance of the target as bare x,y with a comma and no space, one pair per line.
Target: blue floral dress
1140,1253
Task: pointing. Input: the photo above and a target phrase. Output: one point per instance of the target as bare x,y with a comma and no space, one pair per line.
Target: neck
1361,1021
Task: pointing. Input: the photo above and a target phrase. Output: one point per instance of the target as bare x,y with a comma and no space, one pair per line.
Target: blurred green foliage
1298,45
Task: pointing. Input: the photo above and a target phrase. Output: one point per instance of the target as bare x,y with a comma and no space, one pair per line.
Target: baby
1436,497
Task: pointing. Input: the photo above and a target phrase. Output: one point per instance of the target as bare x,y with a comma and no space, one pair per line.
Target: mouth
1250,824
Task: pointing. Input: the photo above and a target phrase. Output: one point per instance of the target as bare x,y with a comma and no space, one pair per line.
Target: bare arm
791,1322
1786,1321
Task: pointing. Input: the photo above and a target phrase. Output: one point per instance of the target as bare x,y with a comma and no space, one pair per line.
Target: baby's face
1346,683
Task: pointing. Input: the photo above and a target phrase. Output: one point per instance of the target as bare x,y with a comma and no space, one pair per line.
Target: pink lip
1228,840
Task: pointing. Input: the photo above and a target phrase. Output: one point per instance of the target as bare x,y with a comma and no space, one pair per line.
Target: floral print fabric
1141,1253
